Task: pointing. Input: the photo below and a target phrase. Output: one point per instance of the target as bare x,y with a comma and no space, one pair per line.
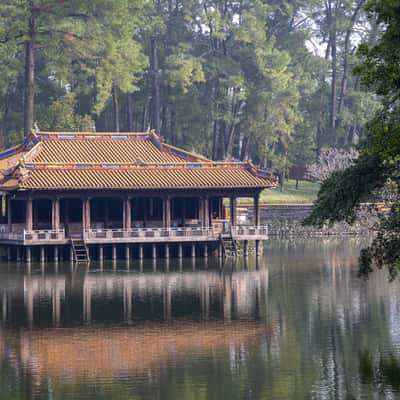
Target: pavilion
69,193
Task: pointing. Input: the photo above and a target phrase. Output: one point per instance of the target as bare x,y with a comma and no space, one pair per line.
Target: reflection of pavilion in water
200,311
124,296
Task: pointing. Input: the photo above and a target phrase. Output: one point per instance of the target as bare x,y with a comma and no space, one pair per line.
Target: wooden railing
27,237
151,234
44,236
12,236
240,231
137,234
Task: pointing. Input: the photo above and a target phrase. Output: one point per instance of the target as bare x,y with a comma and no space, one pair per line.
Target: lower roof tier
141,179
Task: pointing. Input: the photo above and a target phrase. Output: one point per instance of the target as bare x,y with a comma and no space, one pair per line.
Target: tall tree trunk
282,178
164,120
116,108
333,112
29,95
173,125
244,151
130,113
215,140
146,110
156,85
346,67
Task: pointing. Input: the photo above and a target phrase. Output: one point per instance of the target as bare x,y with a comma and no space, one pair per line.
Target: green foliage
61,116
343,191
236,80
379,165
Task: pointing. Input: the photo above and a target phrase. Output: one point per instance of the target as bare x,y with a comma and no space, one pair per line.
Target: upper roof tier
125,161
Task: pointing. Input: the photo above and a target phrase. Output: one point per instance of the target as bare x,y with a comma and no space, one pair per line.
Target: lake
296,324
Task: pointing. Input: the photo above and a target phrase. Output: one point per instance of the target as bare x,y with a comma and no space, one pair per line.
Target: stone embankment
285,220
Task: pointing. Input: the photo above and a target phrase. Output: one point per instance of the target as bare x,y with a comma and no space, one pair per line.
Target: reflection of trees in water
326,313
321,315
383,371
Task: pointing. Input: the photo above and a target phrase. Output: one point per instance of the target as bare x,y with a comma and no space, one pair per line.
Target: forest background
270,81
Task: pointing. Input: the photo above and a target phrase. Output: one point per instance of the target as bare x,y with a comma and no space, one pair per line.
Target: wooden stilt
114,252
140,252
180,250
246,248
258,248
220,252
101,253
56,254
154,251
18,249
28,254
127,252
193,250
167,251
42,254
205,250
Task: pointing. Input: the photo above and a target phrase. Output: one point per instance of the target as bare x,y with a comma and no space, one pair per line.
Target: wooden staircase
229,246
80,250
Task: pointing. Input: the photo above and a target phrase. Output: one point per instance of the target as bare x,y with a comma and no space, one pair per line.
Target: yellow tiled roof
72,161
102,151
143,178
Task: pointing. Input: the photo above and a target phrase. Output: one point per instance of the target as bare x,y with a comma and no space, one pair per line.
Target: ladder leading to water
80,251
229,246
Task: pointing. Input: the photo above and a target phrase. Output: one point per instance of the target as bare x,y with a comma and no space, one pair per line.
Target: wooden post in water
140,252
246,248
101,253
180,251
56,254
28,254
42,254
193,250
167,251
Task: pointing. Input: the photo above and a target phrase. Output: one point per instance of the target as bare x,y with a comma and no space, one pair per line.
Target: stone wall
286,220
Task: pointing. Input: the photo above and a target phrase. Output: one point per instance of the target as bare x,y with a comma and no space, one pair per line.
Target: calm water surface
299,324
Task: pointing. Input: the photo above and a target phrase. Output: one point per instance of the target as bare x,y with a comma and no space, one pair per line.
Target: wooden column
106,213
183,211
201,211
9,213
29,214
257,209
167,212
127,213
206,209
55,214
232,210
86,213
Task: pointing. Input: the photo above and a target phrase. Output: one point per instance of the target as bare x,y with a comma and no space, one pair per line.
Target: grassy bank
306,193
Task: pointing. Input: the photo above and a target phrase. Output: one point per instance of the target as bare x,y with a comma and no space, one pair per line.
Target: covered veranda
68,215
